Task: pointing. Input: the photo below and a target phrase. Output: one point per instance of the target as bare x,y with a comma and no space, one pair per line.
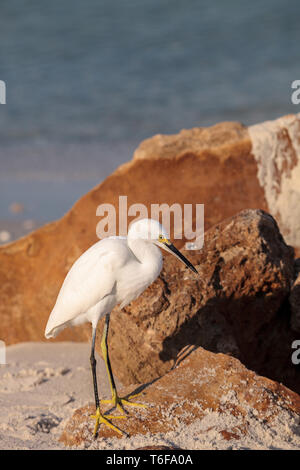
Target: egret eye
160,237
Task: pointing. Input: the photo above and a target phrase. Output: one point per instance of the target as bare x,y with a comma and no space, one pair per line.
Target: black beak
180,256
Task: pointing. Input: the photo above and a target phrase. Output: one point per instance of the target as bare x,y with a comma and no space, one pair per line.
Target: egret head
153,231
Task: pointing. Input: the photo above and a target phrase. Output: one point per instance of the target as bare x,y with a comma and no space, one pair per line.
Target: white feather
113,271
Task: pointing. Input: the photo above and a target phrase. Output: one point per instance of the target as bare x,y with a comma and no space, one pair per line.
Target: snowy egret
113,271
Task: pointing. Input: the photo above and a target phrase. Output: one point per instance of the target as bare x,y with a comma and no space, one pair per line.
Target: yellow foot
101,419
119,402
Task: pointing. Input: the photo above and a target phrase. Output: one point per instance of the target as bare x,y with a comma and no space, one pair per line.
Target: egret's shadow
225,326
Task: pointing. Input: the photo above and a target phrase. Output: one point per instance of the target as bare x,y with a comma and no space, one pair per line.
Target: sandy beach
42,384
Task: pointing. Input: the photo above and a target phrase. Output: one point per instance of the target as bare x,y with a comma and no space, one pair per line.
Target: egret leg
99,417
116,401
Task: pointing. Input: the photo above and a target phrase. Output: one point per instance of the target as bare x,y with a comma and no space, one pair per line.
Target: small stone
16,208
5,236
28,224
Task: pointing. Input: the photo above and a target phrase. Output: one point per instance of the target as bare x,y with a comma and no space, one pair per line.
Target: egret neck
147,254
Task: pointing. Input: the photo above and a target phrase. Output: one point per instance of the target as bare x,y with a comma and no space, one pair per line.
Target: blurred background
88,81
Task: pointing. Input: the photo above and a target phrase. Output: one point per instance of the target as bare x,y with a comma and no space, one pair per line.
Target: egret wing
91,278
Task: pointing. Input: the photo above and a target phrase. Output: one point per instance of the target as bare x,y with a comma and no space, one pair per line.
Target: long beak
172,249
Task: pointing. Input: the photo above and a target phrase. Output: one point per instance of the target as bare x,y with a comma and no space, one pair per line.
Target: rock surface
276,148
233,306
207,394
227,167
33,268
295,300
157,448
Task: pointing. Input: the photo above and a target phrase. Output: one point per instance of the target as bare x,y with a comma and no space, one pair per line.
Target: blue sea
87,81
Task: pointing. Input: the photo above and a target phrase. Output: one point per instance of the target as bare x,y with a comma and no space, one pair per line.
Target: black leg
115,399
98,416
104,347
93,366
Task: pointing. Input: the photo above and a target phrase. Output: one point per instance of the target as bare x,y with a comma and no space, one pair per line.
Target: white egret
115,270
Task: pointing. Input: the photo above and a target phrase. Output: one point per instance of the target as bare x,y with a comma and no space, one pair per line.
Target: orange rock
245,274
222,167
33,268
16,208
201,384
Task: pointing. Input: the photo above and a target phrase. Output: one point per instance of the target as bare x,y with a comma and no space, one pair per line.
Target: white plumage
115,270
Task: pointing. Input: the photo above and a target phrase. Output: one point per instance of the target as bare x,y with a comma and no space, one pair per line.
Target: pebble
4,236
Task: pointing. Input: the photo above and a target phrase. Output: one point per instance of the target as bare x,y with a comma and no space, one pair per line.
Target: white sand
42,384
40,387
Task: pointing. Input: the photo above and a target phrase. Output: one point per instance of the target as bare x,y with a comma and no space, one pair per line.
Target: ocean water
88,81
